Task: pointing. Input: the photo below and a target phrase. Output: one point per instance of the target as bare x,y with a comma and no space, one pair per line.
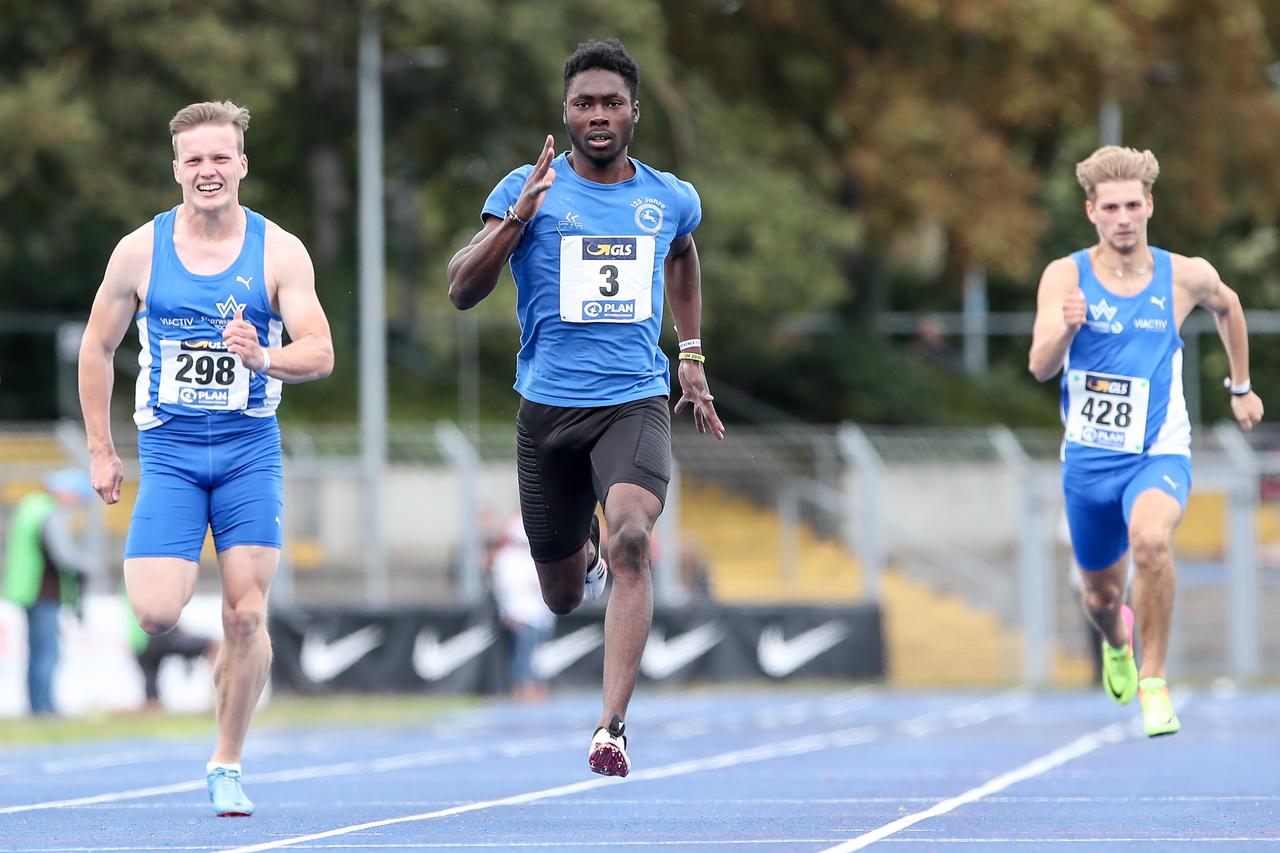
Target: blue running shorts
1099,503
207,471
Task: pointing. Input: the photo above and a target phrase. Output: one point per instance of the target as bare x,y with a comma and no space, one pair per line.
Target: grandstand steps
1204,525
932,639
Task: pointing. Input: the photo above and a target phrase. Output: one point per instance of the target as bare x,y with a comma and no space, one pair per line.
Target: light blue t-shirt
1122,382
589,283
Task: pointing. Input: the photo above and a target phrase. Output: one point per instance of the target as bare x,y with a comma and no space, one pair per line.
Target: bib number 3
606,279
1107,411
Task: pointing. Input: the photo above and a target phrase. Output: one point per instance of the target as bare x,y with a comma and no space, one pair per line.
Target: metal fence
976,513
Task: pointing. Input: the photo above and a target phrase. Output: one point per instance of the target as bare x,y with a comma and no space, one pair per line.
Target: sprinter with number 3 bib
596,241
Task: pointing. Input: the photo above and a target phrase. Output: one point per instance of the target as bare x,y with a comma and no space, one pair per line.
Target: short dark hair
609,55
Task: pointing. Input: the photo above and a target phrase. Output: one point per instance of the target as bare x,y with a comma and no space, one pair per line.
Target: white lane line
801,710
1109,841
1080,746
1006,703
395,762
686,843
795,746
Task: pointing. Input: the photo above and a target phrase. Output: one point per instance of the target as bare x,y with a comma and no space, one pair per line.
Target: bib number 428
1107,413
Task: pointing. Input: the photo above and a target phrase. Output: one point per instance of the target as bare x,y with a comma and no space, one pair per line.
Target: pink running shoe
608,753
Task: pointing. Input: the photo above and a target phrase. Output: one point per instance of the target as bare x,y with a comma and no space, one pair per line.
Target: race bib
606,279
1107,411
202,375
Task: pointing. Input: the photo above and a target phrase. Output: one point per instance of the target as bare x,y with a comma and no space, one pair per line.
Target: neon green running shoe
1157,711
1119,672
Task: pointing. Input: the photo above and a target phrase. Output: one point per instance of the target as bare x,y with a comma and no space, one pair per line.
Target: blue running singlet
184,367
1122,381
1125,420
209,444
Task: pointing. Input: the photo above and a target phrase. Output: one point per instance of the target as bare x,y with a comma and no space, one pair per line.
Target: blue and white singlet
184,366
1122,394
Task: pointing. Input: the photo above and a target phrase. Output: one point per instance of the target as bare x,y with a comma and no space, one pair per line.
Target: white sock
225,765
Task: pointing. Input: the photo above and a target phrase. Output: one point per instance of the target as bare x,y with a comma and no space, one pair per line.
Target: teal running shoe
227,793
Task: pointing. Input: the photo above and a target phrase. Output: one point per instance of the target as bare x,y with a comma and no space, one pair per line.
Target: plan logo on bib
619,310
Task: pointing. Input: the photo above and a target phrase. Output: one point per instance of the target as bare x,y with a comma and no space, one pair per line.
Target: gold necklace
1121,272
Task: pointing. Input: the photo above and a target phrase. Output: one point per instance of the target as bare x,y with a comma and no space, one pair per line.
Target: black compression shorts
568,459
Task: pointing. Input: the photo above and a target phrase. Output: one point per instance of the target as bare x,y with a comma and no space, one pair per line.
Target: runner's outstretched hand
693,382
538,182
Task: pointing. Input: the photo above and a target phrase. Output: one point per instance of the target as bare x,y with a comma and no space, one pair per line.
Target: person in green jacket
44,570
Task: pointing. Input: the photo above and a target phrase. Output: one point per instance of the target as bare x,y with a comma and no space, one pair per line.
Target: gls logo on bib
615,248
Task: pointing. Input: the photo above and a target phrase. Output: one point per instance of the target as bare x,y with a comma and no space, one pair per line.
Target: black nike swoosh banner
470,650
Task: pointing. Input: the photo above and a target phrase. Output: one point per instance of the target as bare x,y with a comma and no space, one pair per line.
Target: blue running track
833,769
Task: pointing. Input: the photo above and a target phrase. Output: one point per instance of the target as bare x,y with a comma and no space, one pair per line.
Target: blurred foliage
852,159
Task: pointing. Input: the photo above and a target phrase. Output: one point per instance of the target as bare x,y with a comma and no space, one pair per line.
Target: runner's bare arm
309,353
114,307
684,295
1204,286
474,269
1060,313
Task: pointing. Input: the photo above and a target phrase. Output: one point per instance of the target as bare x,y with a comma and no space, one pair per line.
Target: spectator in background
695,573
930,343
525,617
45,568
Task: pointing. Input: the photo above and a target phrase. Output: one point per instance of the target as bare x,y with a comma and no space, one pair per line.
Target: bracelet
1238,390
512,216
693,356
266,361
690,344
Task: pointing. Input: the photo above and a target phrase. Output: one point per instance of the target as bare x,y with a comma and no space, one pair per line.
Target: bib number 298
207,369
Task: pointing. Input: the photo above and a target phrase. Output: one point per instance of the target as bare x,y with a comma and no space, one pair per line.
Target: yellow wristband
693,356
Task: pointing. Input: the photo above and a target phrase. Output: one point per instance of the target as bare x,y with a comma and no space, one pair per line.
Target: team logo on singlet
648,215
230,307
1104,318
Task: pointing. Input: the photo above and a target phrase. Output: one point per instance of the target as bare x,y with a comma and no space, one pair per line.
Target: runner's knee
1102,598
1151,546
629,548
563,598
242,620
156,617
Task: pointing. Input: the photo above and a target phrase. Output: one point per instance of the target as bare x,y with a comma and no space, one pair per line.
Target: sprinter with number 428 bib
1108,316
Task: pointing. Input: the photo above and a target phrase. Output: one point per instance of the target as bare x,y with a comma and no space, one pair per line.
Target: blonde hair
210,112
1113,163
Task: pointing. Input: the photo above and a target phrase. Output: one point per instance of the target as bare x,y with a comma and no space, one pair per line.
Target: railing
972,511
